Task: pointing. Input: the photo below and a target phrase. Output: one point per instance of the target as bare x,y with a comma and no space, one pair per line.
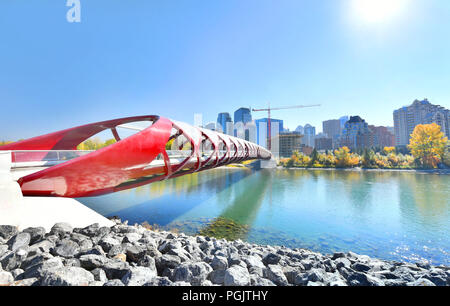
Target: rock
6,278
217,277
275,274
256,280
422,282
361,279
7,231
90,231
342,262
147,261
61,229
113,283
16,272
219,263
116,250
236,276
115,268
121,257
253,261
91,261
99,275
307,264
43,246
194,273
159,281
107,243
360,267
338,255
271,259
66,248
40,269
3,249
85,245
167,261
135,253
68,276
36,233
138,276
19,240
131,237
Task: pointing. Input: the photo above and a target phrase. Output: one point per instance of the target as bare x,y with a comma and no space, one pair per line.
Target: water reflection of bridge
241,214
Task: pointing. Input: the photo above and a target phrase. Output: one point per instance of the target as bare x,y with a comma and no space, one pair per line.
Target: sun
378,11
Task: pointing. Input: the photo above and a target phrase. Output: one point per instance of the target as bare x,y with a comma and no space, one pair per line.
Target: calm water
389,215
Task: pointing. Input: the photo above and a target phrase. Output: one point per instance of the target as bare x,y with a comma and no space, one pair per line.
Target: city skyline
175,59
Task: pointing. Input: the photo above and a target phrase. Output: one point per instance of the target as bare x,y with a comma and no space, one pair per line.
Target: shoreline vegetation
124,255
428,149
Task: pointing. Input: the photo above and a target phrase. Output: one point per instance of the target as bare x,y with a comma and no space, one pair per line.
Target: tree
427,144
344,159
389,150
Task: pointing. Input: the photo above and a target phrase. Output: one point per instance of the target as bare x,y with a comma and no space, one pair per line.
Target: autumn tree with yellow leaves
427,144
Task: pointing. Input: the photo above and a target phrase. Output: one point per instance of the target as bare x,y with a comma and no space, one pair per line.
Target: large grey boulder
275,274
167,261
219,263
68,276
91,261
36,233
236,276
115,268
217,277
194,273
40,269
19,240
107,243
60,229
7,231
66,248
138,276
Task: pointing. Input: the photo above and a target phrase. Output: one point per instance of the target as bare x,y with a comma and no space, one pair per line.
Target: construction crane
269,109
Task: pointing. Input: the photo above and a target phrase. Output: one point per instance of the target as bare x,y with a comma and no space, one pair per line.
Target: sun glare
378,11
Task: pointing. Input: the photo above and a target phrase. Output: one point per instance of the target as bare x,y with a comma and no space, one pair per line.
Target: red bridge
51,165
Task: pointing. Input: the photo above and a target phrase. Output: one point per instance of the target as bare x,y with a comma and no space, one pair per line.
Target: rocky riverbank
135,256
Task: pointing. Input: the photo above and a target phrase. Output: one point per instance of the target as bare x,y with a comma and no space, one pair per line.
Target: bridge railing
36,158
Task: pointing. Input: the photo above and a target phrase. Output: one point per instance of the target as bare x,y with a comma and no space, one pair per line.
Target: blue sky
179,57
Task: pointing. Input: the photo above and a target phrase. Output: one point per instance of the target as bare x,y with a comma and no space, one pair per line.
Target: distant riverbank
422,171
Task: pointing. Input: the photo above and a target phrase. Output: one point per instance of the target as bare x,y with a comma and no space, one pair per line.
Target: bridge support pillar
23,212
10,194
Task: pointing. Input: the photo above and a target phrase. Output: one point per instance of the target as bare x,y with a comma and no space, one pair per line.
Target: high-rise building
288,143
323,143
332,128
309,132
211,126
382,136
262,129
300,129
222,120
343,120
356,134
420,112
242,115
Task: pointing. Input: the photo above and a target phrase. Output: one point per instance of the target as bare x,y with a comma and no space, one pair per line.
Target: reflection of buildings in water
423,197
